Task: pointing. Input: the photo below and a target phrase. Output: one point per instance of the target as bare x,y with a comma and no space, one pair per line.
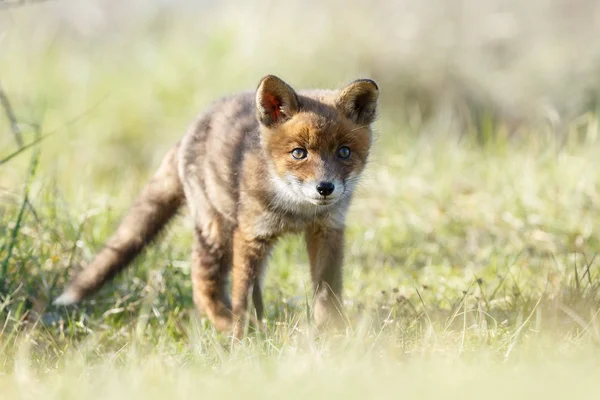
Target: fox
253,167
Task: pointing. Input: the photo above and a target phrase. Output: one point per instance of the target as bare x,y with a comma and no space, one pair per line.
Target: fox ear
276,101
358,101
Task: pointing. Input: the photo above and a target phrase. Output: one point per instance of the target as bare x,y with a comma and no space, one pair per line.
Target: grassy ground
470,268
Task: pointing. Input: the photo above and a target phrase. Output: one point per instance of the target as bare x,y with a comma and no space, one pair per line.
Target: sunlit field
471,267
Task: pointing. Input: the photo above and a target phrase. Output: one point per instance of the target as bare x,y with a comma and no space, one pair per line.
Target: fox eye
299,153
343,152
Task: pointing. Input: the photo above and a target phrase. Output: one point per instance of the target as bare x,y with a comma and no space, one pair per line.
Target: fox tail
155,206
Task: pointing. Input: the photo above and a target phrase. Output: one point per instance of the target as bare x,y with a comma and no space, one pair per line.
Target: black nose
325,188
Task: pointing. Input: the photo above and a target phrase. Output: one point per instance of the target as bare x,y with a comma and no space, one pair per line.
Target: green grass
471,265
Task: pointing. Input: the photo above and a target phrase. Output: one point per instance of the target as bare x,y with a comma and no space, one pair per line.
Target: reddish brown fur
321,136
235,171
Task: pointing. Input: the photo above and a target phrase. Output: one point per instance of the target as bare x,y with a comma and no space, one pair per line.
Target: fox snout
322,191
325,188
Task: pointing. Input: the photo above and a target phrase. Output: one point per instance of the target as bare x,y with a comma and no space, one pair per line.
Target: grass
471,263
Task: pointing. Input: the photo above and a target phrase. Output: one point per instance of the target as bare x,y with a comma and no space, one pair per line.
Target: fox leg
326,252
257,299
249,258
211,262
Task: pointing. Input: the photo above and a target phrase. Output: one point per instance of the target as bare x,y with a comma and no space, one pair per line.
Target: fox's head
317,142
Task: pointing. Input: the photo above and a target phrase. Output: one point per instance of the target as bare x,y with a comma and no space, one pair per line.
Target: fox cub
253,167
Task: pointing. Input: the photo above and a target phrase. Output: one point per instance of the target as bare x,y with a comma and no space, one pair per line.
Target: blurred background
103,74
146,68
485,163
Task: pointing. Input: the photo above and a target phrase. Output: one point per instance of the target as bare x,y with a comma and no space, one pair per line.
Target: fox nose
325,188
